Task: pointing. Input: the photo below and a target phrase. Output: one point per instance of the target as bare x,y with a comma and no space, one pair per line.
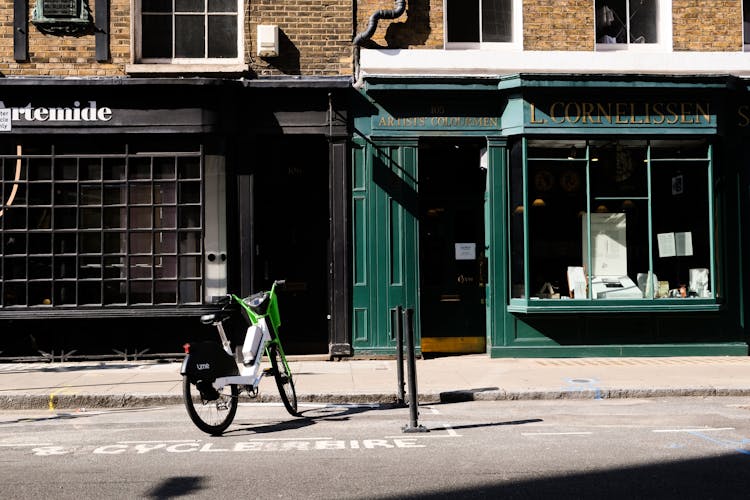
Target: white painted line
24,444
291,439
417,435
556,433
704,429
167,441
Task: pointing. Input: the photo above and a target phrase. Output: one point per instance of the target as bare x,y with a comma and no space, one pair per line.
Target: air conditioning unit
268,40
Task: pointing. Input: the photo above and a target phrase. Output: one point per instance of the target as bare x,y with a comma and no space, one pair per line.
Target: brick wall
558,25
419,27
315,39
698,25
707,26
315,36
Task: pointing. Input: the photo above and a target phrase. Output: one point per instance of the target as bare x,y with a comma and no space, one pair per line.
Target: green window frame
612,224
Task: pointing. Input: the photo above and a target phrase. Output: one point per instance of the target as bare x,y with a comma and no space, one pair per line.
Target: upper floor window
626,24
746,23
188,31
475,23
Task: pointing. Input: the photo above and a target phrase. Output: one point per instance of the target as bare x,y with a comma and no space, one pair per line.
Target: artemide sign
77,111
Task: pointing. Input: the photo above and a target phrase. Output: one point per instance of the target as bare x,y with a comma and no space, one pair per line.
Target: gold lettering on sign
533,115
628,113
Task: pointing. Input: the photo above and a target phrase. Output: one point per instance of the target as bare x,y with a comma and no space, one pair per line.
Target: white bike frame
250,372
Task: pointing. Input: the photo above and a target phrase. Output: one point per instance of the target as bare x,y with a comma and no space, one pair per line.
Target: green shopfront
549,216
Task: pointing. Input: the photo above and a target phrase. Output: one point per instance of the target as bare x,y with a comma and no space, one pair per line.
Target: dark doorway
451,241
291,237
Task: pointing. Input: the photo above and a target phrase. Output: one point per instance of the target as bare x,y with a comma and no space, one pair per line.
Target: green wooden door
385,242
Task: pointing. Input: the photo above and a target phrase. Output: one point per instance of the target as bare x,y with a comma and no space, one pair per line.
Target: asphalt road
651,448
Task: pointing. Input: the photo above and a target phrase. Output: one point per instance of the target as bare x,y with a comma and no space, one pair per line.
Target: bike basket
258,302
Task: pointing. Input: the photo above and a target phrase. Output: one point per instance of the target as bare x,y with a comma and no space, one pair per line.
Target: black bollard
413,426
398,326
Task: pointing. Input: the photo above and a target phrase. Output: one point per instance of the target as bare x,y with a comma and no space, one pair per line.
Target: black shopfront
129,204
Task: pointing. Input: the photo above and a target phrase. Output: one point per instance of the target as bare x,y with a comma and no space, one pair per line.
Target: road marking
583,433
166,441
291,439
705,429
24,444
451,433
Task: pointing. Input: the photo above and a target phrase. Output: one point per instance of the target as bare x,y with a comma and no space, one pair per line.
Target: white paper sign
666,244
466,251
683,243
5,119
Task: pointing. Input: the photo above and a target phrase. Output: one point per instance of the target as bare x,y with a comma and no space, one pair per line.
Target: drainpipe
372,25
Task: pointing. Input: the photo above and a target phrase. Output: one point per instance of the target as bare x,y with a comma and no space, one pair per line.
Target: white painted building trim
406,62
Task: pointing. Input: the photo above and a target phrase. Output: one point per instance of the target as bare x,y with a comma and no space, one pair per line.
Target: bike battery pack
254,341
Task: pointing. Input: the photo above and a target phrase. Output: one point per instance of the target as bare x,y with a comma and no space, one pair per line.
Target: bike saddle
217,317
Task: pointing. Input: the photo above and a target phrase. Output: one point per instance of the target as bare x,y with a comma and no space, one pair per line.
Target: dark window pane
156,5
15,294
164,168
643,21
156,32
190,192
497,20
610,21
189,217
166,292
189,168
189,37
139,168
222,36
222,5
140,243
463,20
189,6
114,169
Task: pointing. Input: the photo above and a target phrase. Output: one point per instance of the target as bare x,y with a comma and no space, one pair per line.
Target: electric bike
212,377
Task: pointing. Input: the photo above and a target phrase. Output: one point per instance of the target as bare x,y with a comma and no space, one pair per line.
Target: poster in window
609,256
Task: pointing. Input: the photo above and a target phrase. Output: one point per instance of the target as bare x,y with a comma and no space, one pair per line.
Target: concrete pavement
118,384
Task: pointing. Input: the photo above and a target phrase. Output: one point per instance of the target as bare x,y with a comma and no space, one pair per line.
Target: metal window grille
111,230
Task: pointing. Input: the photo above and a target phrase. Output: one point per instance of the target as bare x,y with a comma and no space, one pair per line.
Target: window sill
145,68
612,306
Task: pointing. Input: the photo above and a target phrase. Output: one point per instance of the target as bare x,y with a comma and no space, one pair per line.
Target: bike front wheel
212,417
284,380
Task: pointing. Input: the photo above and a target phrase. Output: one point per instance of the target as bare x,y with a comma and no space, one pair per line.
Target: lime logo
203,366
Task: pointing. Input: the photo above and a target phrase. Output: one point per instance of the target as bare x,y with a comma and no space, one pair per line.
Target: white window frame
663,30
136,42
516,42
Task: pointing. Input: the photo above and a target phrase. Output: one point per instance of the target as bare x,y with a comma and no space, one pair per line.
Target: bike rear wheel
284,380
212,417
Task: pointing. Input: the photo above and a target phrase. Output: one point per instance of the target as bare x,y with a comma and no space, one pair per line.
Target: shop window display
603,220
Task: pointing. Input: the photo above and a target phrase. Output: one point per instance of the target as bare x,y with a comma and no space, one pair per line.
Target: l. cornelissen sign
74,113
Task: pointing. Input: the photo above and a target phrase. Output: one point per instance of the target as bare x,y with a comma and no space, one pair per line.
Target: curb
74,401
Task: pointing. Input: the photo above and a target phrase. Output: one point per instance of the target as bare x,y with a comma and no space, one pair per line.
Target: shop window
482,23
114,229
610,222
189,31
631,24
